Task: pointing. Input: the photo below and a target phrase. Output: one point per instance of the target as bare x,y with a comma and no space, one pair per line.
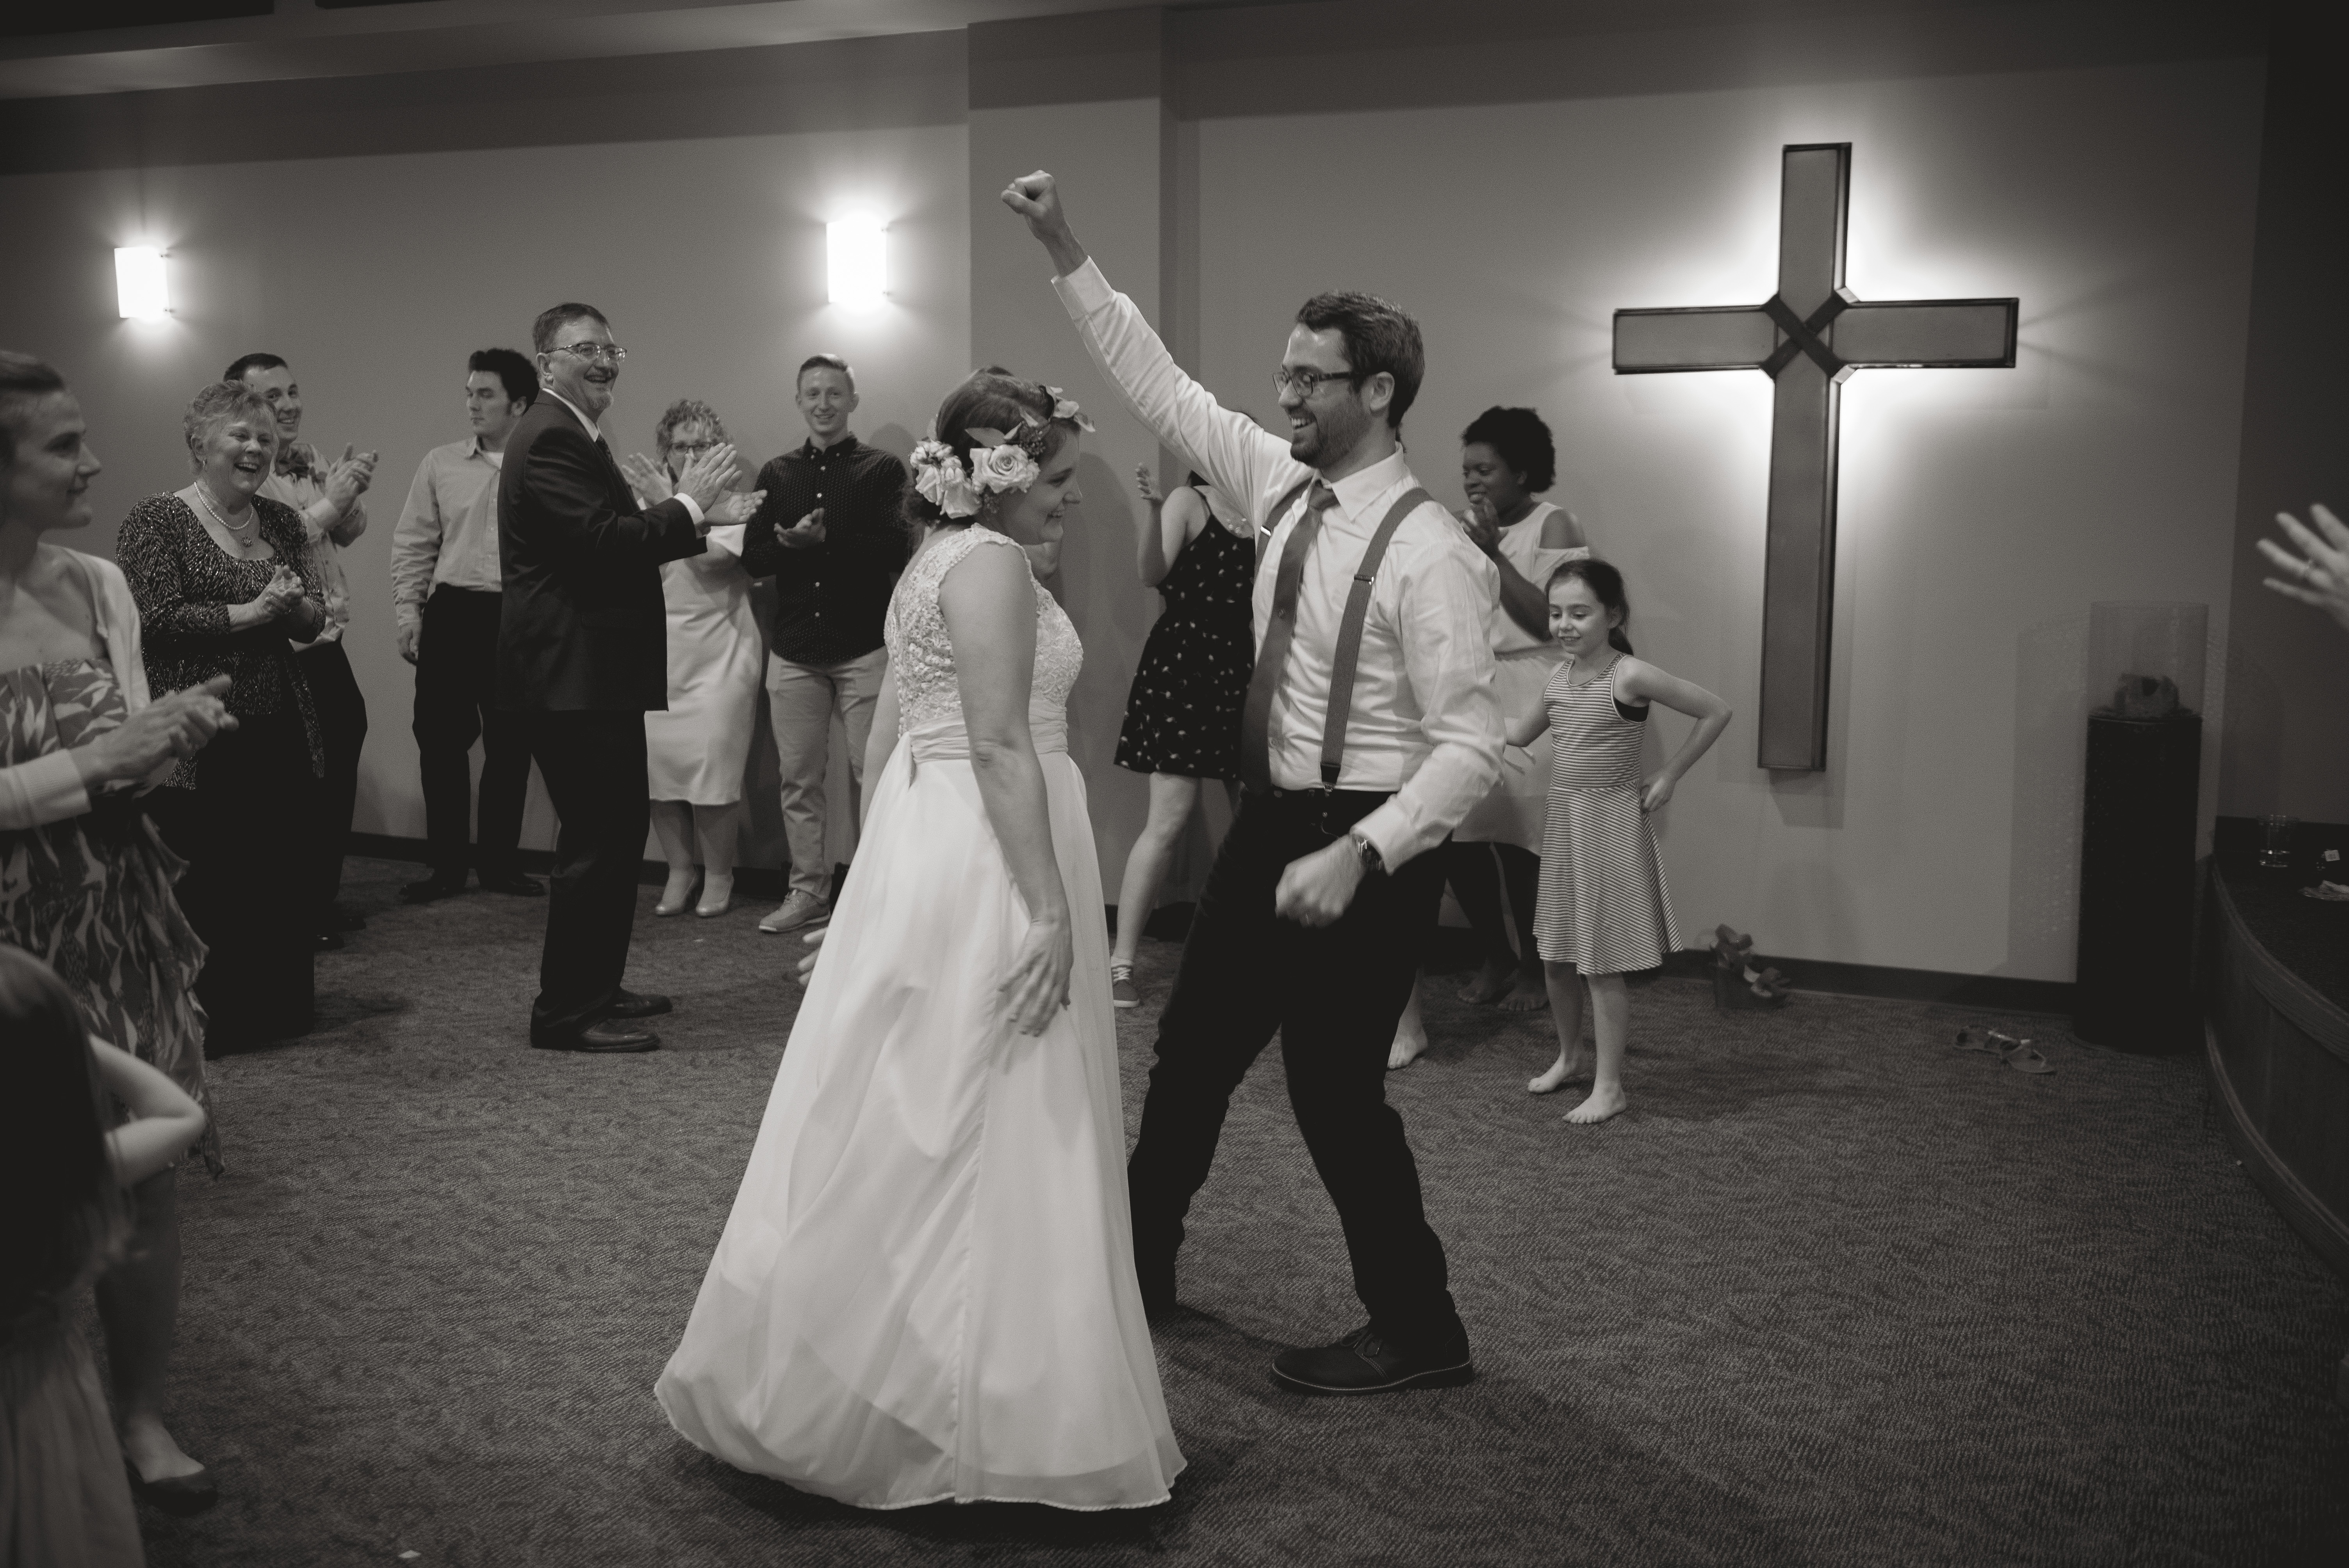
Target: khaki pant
801,701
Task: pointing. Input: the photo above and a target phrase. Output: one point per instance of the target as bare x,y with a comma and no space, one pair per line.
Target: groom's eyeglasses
1307,381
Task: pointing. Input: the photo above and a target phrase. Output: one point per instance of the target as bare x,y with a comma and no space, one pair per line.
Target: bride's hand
1039,986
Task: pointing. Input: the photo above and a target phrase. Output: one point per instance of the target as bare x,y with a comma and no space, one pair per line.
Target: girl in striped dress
1603,910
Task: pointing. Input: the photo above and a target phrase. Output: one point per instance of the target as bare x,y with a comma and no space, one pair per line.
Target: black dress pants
456,672
246,831
1334,993
594,765
342,727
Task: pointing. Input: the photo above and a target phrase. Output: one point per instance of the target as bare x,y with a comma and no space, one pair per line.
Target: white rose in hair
1003,468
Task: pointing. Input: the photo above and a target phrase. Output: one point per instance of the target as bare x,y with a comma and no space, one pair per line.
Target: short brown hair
1378,337
22,380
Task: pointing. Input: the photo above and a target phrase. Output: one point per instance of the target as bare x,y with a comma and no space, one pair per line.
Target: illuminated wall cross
1808,338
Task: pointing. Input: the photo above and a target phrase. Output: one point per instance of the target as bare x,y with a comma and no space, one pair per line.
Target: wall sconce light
857,253
139,286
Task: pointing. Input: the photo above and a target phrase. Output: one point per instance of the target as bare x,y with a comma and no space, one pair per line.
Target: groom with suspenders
1370,730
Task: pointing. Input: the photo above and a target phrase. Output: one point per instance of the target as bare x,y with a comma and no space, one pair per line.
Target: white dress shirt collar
1363,486
594,434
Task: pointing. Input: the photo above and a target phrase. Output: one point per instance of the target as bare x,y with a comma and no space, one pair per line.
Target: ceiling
302,38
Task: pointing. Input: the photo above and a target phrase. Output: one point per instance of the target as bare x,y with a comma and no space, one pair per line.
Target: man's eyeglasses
610,351
1307,381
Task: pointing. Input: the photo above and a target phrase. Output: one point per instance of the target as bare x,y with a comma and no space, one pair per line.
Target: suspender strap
1349,634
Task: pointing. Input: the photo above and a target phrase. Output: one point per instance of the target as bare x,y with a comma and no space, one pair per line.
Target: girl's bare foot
1602,1104
1490,984
1564,1070
1527,995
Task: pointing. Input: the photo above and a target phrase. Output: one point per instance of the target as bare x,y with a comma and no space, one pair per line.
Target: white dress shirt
1423,724
594,433
448,532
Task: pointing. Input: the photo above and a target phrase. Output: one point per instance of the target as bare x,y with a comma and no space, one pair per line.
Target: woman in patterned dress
1183,714
925,1290
1603,910
85,881
222,578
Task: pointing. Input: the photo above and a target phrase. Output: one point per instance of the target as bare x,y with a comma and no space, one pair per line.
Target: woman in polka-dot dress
1183,714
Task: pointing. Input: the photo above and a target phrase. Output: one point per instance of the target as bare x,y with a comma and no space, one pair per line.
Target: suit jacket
581,624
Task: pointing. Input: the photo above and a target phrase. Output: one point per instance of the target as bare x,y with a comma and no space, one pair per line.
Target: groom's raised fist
1037,197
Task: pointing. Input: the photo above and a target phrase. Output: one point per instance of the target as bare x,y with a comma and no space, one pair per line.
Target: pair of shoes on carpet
618,1031
182,1495
1363,1363
2019,1054
1736,984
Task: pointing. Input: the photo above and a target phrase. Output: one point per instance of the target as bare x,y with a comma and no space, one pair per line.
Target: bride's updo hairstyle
958,472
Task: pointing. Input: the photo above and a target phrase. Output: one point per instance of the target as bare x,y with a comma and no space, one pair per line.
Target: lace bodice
922,655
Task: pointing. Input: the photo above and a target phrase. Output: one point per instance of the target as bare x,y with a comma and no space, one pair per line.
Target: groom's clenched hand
1316,889
1037,197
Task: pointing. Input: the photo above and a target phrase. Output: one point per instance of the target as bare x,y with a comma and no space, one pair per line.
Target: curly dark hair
1523,442
989,400
687,411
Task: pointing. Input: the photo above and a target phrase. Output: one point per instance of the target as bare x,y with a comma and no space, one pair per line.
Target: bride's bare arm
990,605
880,743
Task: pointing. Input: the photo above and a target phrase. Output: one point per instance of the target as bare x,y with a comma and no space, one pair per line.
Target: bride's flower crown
1000,463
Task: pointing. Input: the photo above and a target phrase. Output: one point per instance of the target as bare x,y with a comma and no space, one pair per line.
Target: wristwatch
1369,851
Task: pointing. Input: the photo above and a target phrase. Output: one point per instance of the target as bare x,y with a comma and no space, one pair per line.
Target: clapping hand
735,506
807,532
347,478
646,477
1148,486
706,477
278,596
1484,525
2318,575
166,729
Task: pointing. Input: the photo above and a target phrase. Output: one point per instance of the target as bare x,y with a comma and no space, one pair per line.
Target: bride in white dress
925,1290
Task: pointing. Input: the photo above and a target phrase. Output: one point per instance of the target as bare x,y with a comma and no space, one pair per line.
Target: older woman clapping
218,573
85,883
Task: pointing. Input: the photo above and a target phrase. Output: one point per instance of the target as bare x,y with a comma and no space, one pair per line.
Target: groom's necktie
1255,720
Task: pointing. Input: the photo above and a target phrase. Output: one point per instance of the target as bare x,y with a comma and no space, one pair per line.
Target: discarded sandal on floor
1736,982
2017,1053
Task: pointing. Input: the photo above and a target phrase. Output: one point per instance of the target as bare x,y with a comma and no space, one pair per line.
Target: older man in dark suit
582,655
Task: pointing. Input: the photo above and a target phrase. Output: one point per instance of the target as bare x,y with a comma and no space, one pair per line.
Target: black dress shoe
514,885
1363,1363
179,1494
609,1037
629,1005
435,886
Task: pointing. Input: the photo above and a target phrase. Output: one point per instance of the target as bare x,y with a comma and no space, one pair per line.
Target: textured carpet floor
1830,1293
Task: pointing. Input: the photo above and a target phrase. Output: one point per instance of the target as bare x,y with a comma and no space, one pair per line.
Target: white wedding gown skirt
925,1290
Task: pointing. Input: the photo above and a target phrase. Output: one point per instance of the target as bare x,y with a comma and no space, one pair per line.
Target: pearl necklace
243,537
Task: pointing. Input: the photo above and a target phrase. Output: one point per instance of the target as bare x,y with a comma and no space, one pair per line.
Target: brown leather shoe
604,1038
629,1005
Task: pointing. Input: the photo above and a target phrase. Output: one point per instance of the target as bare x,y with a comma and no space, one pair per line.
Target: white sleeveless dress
925,1290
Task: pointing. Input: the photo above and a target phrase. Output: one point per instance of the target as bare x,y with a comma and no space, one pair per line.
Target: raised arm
989,600
1640,681
1173,523
1233,450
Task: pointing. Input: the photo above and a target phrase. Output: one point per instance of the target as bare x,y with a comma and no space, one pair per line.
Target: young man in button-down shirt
1322,899
445,582
832,534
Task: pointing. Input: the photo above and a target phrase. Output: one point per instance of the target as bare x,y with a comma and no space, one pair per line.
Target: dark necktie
1255,720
